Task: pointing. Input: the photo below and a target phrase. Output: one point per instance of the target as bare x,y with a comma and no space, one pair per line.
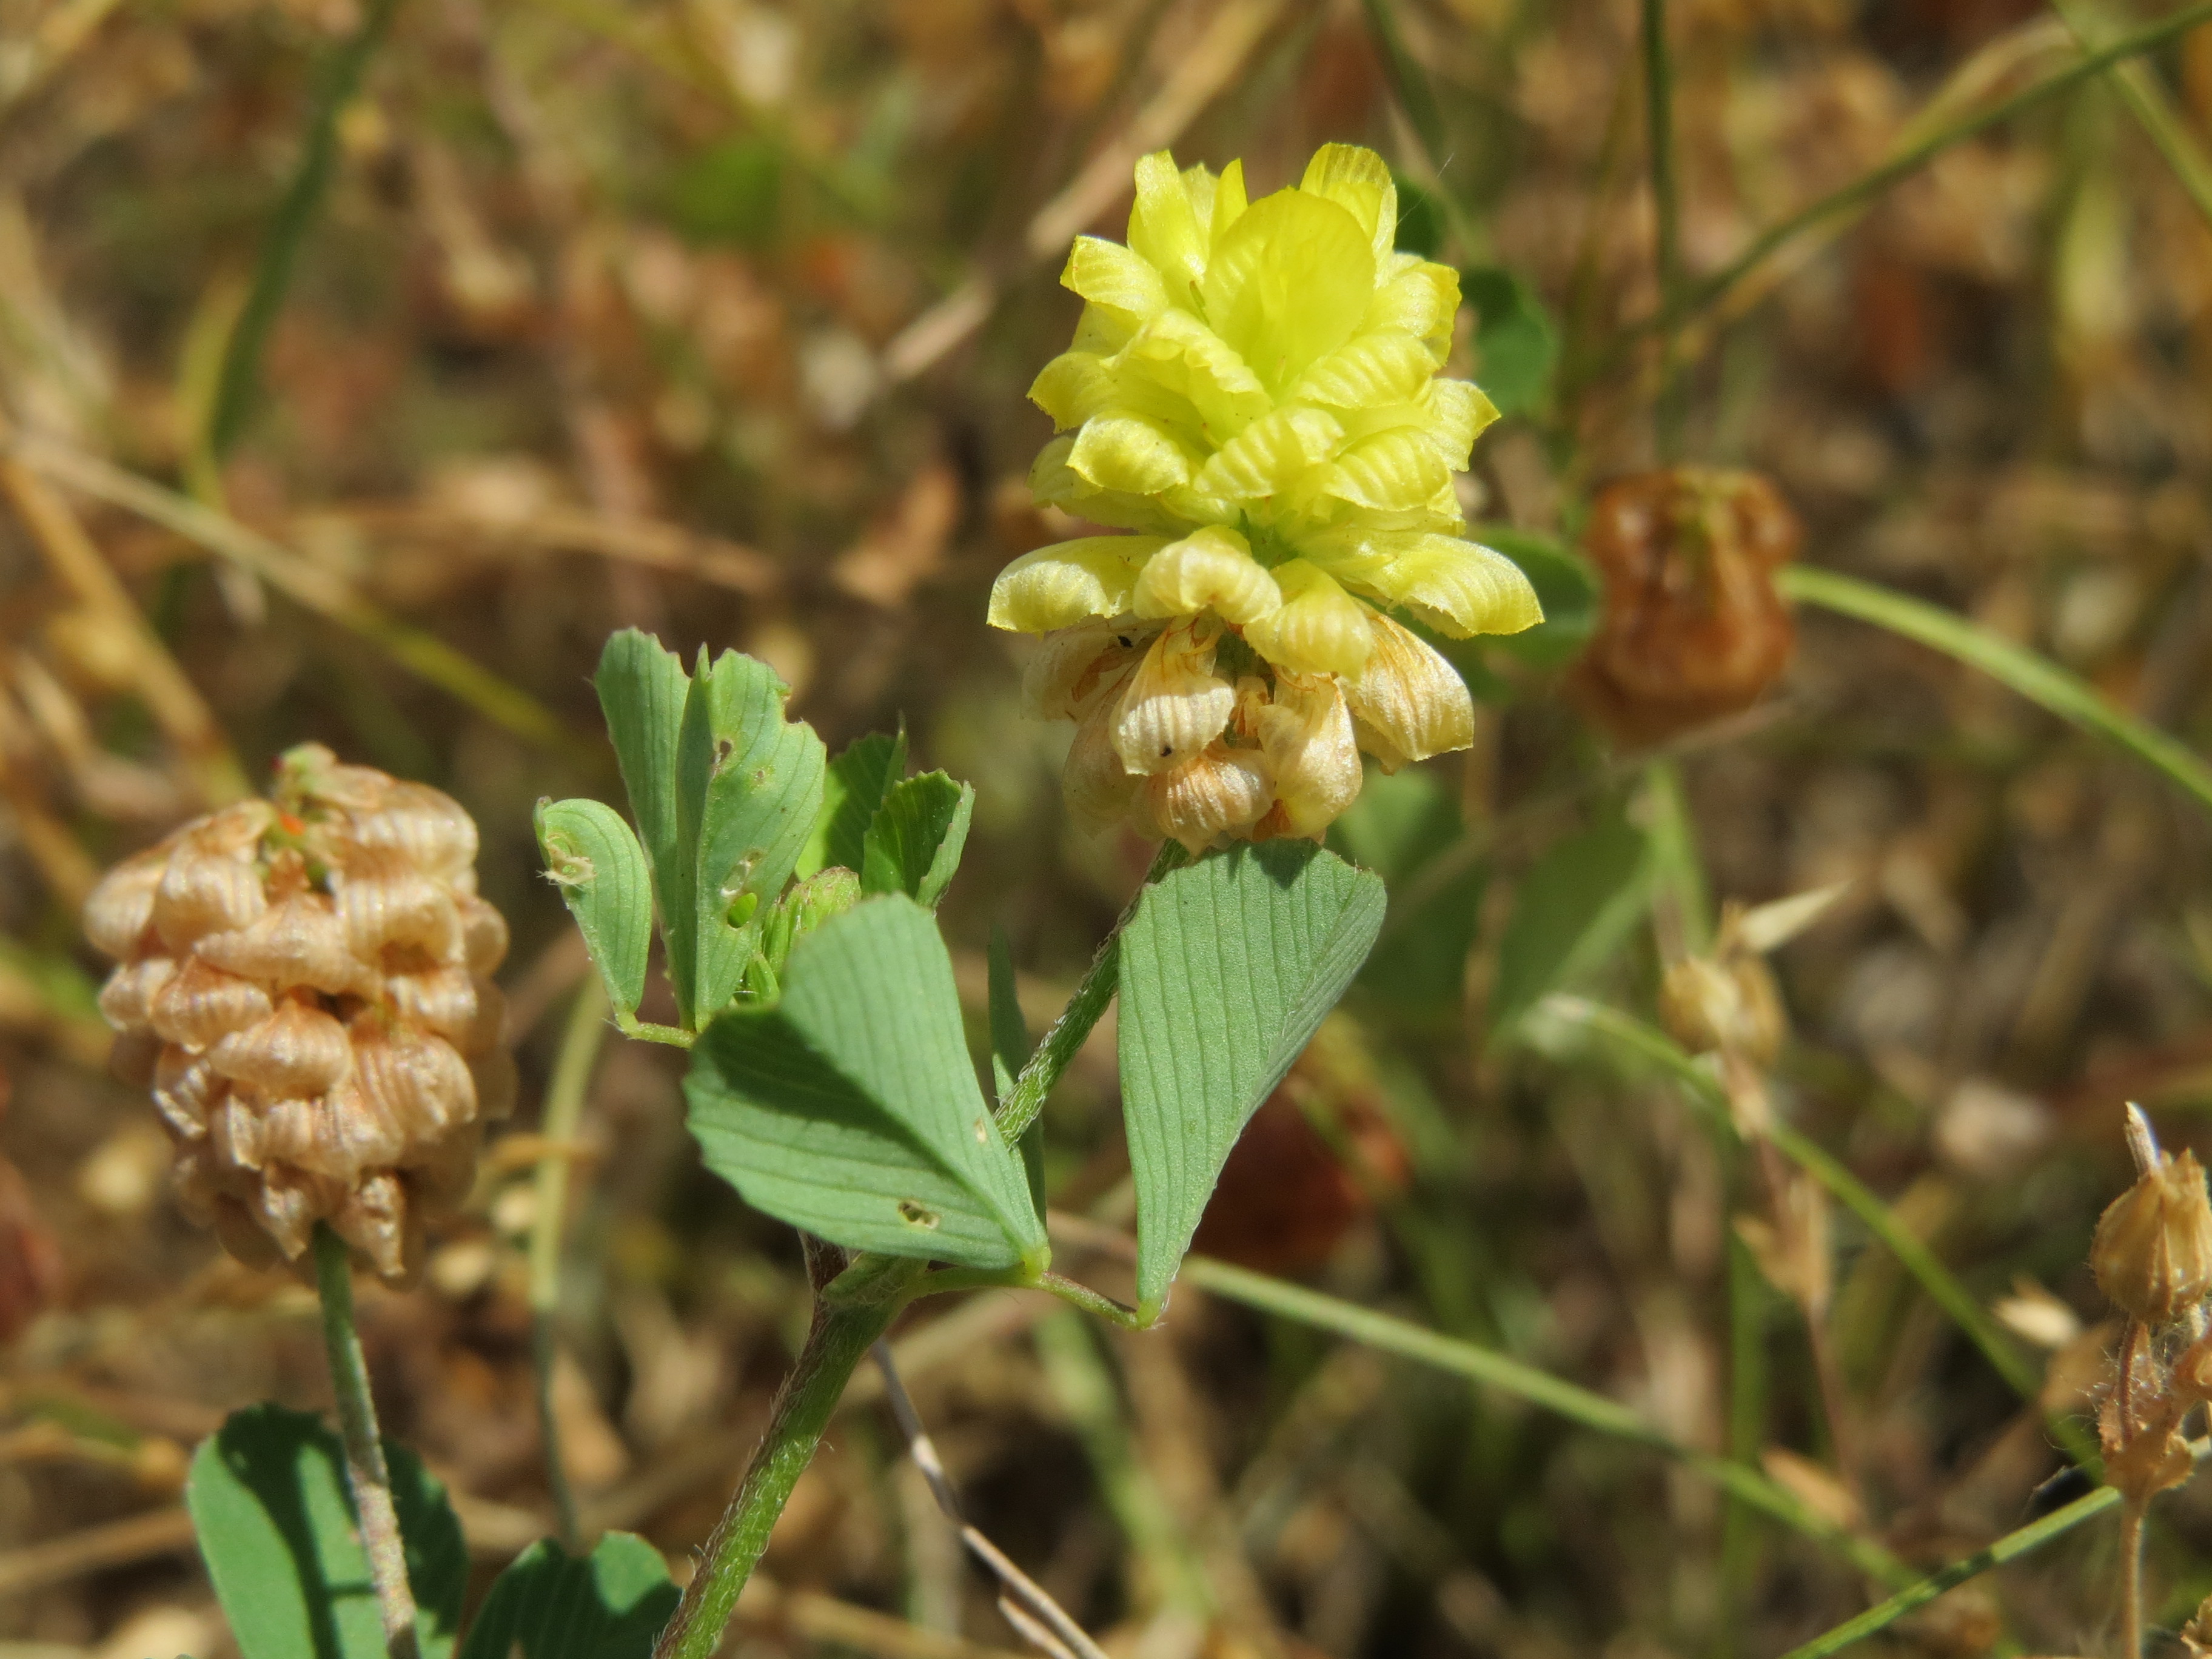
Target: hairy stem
1057,1052
838,1340
2131,1520
564,1109
366,1474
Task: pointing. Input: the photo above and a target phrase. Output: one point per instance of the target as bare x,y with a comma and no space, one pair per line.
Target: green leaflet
851,792
1574,909
1516,346
725,791
748,784
275,1524
600,869
550,1605
851,1107
1226,969
914,843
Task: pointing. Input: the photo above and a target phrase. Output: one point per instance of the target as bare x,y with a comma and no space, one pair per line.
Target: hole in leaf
915,1214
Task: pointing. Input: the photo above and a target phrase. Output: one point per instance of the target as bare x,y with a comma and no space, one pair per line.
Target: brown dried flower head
305,983
1692,628
2153,1250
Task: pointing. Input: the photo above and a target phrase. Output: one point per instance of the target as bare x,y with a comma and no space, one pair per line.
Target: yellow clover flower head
1252,399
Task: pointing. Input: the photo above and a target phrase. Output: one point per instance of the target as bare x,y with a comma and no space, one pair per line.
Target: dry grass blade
1044,1615
1211,64
321,591
116,1543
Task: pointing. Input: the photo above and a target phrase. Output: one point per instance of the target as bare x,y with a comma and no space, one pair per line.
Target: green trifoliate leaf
1226,969
851,792
594,859
1573,909
277,1525
551,1605
914,843
851,1109
749,785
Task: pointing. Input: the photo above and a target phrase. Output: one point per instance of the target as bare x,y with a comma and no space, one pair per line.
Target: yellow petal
1458,586
1458,410
1060,585
1272,455
1107,274
1207,799
1175,703
1305,731
1395,470
1210,568
1228,201
1129,453
1164,229
1073,387
1053,482
1200,184
1409,700
1357,180
1421,300
1371,369
1187,367
1319,628
1288,284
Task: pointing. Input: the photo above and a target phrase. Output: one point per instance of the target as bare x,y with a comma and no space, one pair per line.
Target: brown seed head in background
2153,1249
1692,627
308,981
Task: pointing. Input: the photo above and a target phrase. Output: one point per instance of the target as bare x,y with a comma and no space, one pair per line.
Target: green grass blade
1501,1372
2037,679
288,228
2010,1547
2147,101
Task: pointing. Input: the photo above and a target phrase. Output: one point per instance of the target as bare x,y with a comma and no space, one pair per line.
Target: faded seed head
2152,1254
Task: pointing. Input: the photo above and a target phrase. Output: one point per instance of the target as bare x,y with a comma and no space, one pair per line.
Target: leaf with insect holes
748,786
851,1107
275,1522
600,869
852,790
913,845
1573,910
1226,968
550,1605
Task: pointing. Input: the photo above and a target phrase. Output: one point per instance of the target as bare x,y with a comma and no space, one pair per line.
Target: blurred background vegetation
362,364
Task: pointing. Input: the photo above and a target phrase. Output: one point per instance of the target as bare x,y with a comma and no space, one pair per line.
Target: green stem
287,230
1666,214
1702,296
2154,111
2131,1527
2010,1547
367,1476
564,1110
1747,1431
2039,681
1593,1411
1061,1044
838,1340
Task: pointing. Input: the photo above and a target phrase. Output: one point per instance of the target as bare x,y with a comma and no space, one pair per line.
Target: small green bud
803,907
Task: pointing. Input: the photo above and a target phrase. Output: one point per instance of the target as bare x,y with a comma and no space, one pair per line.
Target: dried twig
1023,1600
1209,65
